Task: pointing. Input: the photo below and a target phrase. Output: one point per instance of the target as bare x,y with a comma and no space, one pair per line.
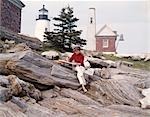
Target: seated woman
78,57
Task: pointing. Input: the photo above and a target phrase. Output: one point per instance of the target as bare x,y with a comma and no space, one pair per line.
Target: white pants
80,73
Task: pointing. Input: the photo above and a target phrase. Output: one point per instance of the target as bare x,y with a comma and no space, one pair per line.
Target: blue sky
130,18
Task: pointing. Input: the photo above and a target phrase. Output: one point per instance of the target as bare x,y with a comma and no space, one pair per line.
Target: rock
18,87
144,83
18,48
136,58
9,109
129,111
19,103
98,55
9,41
129,64
21,88
72,108
117,71
69,93
123,55
33,68
68,107
50,94
98,63
105,73
28,89
51,54
64,73
4,81
36,94
147,57
36,110
145,102
5,94
87,53
73,103
15,86
1,46
32,42
114,91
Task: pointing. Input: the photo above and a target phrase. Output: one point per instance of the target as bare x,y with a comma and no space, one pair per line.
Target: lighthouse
42,24
91,30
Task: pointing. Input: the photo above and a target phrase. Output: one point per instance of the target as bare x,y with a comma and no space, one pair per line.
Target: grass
144,65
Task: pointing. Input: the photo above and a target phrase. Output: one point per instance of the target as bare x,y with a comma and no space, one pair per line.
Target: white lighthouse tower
91,30
42,24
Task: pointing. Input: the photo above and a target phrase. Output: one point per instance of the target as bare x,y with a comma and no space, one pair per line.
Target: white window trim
105,43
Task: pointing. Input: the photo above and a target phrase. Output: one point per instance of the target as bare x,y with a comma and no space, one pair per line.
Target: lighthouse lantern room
42,23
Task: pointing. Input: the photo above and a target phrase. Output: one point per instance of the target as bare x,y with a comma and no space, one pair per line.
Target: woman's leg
80,71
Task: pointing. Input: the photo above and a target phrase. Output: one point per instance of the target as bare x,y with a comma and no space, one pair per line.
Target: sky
128,17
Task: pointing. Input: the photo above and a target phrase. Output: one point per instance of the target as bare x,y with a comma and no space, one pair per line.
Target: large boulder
51,54
99,63
32,67
12,85
114,91
22,88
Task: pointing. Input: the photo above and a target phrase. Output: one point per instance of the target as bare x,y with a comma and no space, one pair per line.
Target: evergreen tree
65,33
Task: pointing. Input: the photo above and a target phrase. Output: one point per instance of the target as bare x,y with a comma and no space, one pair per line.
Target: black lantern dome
43,14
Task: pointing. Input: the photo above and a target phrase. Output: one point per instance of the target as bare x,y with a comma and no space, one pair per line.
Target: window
45,29
105,43
91,20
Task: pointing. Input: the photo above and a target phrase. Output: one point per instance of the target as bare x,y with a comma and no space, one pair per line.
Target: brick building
10,14
105,40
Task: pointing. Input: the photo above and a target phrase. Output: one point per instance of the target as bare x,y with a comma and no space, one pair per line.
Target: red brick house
10,14
105,40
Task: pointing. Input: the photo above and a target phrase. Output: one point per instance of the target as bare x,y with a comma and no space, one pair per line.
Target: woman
78,57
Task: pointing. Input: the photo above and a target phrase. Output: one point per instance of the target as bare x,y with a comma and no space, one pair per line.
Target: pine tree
65,33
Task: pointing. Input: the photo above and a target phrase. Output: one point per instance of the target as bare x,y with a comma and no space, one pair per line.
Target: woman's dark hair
77,48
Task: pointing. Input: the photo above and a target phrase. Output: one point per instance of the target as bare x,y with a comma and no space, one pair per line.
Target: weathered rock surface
128,111
32,42
5,94
118,96
64,73
69,93
32,67
10,110
75,104
18,48
4,81
31,109
143,83
114,91
99,63
12,85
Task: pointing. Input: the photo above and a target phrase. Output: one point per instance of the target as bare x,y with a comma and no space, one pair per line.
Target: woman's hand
67,58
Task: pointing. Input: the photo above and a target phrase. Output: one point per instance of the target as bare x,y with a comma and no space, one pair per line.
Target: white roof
105,31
